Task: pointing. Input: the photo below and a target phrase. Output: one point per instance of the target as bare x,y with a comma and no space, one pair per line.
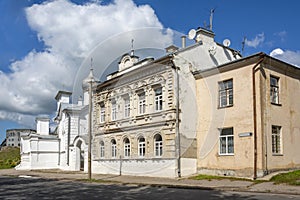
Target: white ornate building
144,117
144,114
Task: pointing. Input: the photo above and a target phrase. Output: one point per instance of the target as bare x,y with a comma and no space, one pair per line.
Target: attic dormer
127,61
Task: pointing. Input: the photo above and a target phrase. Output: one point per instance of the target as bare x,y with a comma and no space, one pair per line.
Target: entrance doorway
80,155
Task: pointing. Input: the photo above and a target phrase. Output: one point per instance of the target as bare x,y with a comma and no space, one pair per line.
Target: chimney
171,49
204,36
42,125
183,41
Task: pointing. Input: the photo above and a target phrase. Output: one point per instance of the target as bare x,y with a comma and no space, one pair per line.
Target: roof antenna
243,44
91,67
211,18
132,50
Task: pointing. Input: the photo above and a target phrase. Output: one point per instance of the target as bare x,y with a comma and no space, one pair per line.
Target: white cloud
292,57
70,32
255,41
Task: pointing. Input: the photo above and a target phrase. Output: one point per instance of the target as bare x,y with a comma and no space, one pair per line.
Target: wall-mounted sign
247,134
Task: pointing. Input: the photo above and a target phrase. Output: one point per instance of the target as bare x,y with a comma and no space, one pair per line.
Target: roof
60,92
246,61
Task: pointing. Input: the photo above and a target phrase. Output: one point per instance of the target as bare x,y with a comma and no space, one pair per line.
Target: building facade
249,117
13,136
198,109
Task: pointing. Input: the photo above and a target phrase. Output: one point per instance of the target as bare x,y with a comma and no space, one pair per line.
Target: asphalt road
36,188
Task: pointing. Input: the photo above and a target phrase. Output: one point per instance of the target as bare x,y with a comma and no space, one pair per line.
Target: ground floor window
276,139
158,145
226,141
142,147
126,148
102,152
113,148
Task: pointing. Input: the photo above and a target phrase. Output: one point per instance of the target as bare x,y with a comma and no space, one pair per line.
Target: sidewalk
223,184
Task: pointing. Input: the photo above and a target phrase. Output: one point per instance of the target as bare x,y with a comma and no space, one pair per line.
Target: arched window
126,148
142,146
113,148
158,145
102,152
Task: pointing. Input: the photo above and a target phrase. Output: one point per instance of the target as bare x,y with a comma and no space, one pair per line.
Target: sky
45,45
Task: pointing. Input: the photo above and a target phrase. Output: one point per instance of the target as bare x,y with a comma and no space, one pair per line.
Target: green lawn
210,177
291,178
9,157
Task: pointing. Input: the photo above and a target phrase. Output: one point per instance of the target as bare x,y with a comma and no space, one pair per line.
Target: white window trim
225,136
158,100
226,92
126,108
102,150
141,145
102,114
113,150
113,111
280,141
142,104
127,150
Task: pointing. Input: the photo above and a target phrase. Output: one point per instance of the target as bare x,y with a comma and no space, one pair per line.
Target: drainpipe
178,148
69,135
254,116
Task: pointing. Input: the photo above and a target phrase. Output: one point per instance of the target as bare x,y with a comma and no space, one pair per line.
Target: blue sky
32,33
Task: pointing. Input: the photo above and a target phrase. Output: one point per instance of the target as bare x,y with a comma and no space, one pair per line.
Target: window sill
276,104
219,107
229,154
277,154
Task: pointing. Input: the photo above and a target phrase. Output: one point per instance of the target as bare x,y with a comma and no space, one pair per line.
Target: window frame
102,114
113,148
142,103
158,146
141,147
222,136
225,91
274,90
114,111
158,99
277,146
127,148
102,149
126,107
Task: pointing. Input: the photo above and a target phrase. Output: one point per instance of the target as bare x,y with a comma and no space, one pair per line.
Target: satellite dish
192,34
226,42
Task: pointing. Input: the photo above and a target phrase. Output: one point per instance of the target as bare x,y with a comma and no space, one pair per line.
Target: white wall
136,167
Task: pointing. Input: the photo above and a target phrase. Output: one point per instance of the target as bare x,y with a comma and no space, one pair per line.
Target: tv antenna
243,44
132,50
212,11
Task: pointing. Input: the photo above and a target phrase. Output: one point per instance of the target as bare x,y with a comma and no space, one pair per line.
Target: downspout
254,116
68,143
178,148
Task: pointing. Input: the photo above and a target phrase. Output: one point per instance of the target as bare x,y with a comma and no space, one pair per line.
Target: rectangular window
127,107
274,89
225,93
113,111
226,141
158,99
276,139
142,103
102,114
